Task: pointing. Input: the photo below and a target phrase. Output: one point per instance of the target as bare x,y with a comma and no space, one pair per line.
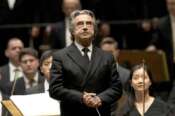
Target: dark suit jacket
21,90
58,35
5,84
124,76
166,42
69,80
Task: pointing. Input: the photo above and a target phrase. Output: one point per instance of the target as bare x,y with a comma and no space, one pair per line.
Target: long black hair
130,93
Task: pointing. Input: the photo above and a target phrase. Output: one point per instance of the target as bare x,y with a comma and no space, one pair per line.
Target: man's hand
91,100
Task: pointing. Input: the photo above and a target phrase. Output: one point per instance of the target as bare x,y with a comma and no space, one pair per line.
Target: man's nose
28,63
85,26
18,50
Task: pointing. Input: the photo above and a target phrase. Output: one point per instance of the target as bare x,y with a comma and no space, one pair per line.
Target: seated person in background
110,45
104,30
60,34
29,63
140,101
45,65
8,71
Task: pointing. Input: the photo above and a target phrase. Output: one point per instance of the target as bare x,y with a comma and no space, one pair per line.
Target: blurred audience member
60,34
110,45
104,30
46,42
9,71
35,39
166,41
29,63
155,35
147,36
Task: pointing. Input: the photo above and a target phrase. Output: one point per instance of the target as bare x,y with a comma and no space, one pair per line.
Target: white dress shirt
67,32
11,3
80,47
12,69
27,81
46,85
173,33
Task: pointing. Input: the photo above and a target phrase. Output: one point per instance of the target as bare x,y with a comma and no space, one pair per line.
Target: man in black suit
60,31
7,72
83,77
31,79
166,36
167,26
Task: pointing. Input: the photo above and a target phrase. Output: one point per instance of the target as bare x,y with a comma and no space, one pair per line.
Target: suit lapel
40,79
6,73
76,56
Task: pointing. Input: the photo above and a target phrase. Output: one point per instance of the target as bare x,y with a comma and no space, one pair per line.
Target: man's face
69,6
83,29
171,6
29,64
108,48
13,50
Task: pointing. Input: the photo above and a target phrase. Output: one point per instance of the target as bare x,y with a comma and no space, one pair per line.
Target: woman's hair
45,55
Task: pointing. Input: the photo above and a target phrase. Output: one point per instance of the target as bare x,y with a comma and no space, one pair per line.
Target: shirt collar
35,78
80,47
13,67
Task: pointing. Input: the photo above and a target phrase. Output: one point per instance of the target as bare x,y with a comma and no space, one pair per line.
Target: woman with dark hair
45,65
140,102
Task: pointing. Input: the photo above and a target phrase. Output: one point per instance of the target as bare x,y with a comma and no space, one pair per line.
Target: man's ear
6,53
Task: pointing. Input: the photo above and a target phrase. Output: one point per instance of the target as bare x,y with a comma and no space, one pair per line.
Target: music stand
156,61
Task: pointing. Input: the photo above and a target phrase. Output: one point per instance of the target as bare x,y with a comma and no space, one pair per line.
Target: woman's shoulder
162,106
160,103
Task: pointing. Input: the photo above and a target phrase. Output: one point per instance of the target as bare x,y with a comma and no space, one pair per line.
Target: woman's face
140,80
45,67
